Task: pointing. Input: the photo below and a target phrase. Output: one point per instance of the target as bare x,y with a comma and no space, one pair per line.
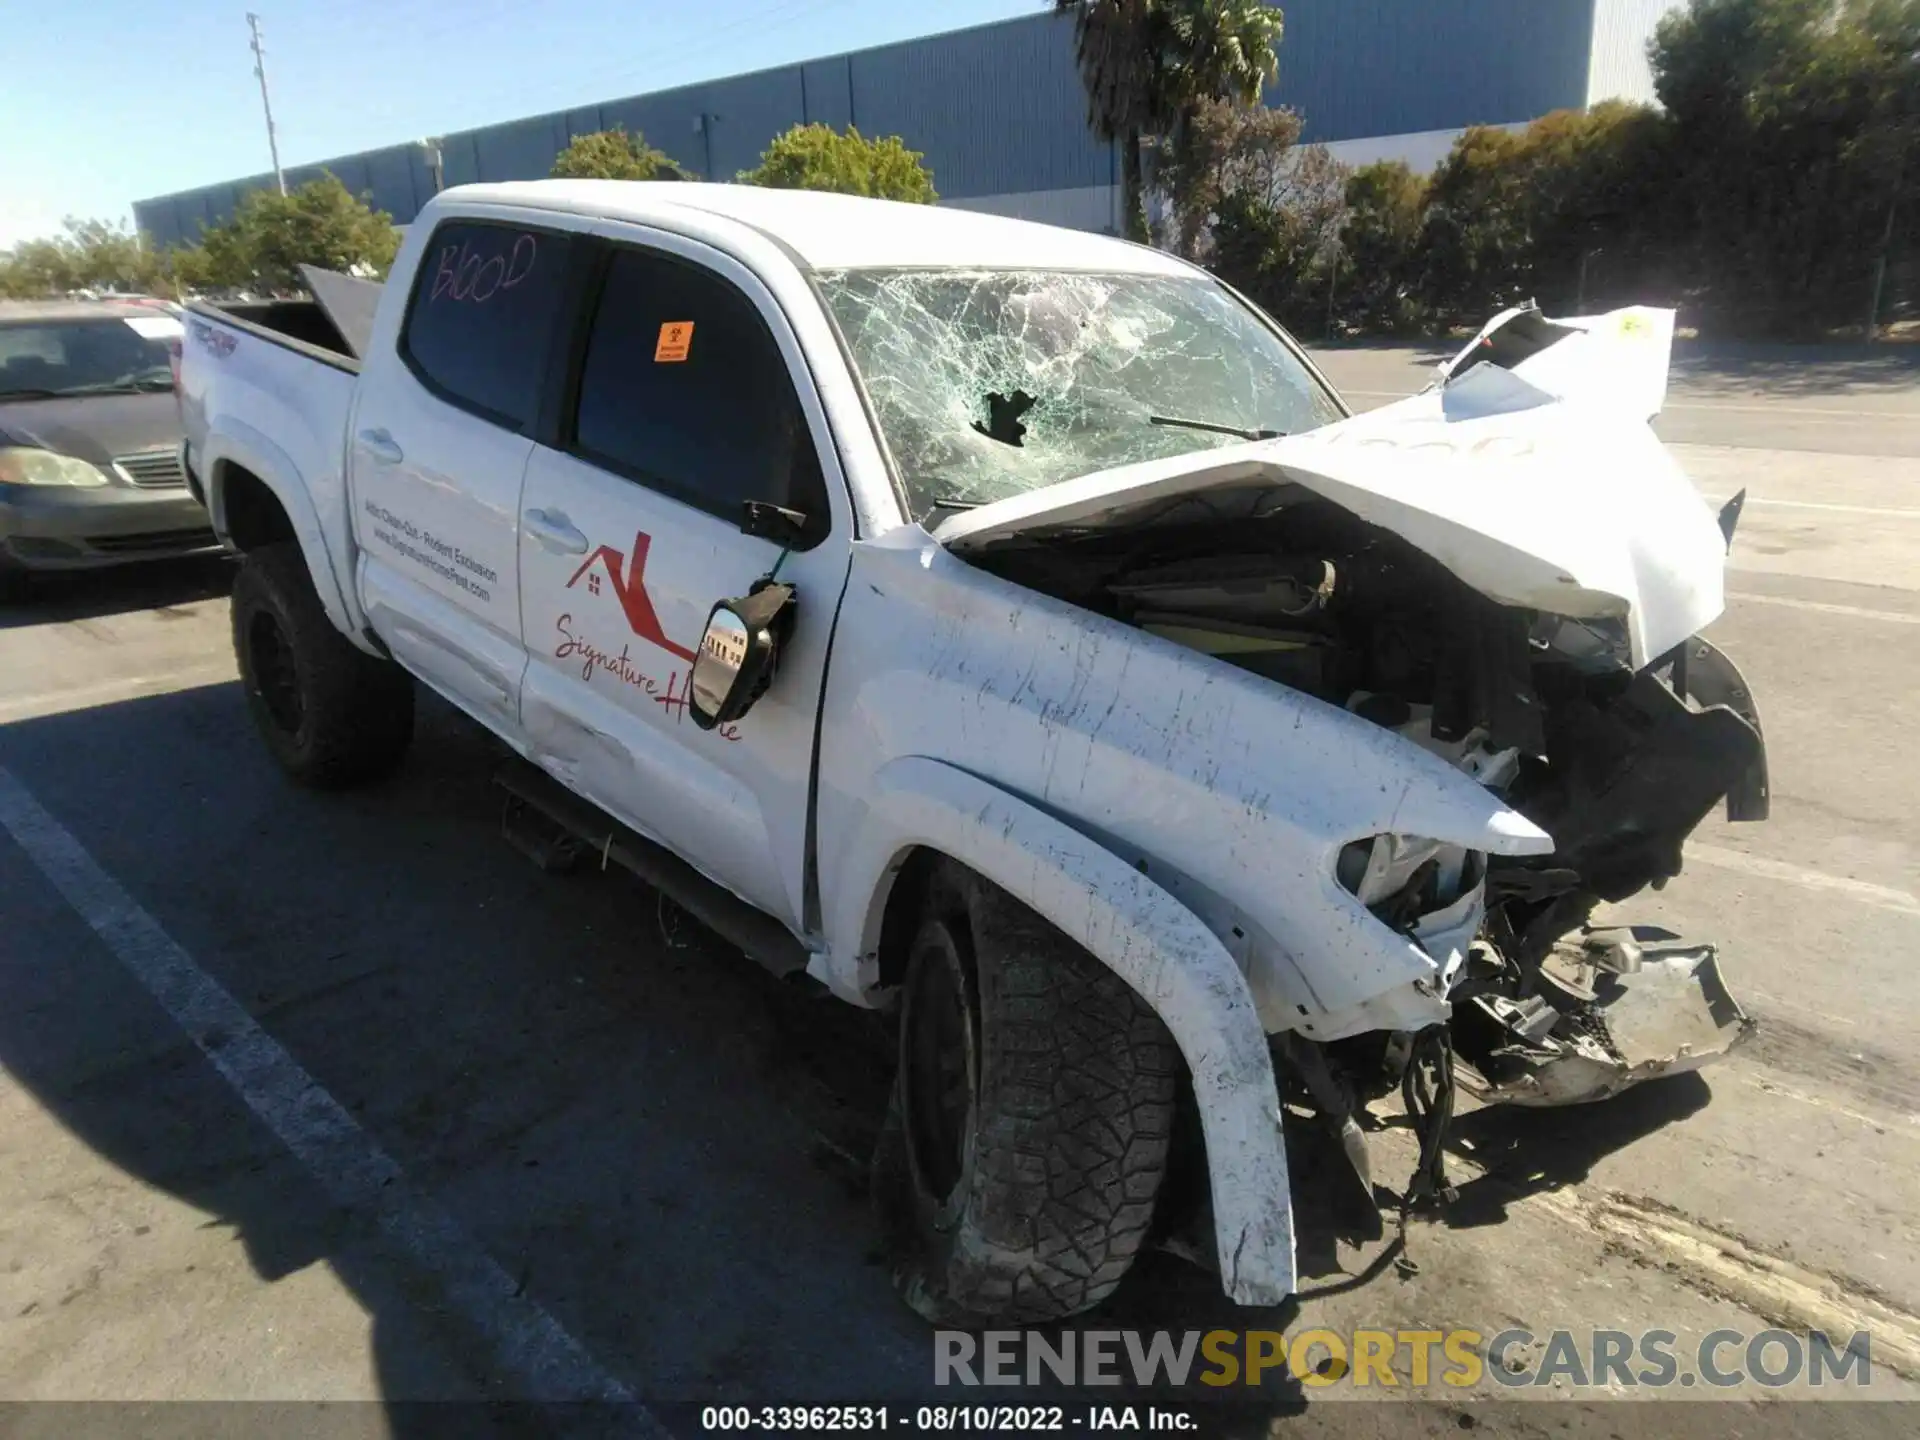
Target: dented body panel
1233,794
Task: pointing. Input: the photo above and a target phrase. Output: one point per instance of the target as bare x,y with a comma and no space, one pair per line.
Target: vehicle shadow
61,596
1523,1151
663,1145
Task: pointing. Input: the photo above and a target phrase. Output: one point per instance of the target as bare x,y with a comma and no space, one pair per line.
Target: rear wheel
1027,1137
333,715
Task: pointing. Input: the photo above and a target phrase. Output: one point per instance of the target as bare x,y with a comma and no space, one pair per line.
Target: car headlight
25,465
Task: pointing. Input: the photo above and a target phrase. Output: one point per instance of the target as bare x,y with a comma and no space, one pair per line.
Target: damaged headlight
1429,891
1406,876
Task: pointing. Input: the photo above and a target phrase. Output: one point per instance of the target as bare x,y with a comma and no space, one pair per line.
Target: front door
630,531
438,446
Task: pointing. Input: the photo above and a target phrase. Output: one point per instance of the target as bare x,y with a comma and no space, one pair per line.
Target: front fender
233,442
1132,925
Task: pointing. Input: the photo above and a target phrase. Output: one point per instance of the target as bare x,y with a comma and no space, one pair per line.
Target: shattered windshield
987,383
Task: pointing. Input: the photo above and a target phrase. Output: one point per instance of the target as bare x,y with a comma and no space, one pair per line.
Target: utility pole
260,69
430,148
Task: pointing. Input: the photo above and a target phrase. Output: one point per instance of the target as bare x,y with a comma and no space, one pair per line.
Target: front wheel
333,715
1027,1137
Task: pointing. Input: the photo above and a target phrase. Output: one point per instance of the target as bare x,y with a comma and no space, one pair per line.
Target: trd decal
631,591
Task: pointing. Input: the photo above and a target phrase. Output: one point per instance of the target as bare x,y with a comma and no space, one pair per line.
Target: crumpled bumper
1614,1007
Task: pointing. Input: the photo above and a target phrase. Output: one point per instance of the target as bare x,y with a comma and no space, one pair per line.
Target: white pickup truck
1010,629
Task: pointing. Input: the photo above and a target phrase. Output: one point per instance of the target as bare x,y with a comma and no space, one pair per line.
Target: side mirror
738,654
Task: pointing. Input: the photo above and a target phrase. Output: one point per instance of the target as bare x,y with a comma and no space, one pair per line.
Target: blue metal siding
521,150
744,113
995,110
1356,68
459,161
393,179
665,120
999,109
828,91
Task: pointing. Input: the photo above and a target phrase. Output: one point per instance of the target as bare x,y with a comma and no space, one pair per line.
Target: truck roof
834,232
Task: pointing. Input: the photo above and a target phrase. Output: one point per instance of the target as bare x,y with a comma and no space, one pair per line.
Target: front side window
684,388
96,356
988,383
482,310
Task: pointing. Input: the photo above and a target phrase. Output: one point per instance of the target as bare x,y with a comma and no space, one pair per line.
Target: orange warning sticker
675,337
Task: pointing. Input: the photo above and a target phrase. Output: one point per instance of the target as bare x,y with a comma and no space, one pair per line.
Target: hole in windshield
987,384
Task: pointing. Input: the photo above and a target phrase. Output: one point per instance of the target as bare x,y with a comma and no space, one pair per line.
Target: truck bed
281,373
299,323
333,326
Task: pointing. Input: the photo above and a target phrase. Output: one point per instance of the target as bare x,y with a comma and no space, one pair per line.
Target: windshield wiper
950,502
36,393
1242,431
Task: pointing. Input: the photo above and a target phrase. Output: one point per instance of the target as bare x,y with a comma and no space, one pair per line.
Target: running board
764,940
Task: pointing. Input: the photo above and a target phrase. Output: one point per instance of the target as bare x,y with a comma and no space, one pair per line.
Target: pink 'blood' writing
464,275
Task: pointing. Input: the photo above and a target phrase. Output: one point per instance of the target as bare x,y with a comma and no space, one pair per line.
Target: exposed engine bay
1618,765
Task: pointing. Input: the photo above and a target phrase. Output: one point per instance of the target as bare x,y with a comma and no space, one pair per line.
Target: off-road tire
1074,1085
354,711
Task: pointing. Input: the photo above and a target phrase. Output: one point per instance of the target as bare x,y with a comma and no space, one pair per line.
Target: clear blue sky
105,102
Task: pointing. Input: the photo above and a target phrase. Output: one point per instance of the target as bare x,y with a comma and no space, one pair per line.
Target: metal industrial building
1000,115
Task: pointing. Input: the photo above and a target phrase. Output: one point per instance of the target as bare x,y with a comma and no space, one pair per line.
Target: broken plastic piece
1670,1014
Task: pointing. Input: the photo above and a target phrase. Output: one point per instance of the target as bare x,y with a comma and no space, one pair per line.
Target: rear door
438,449
689,397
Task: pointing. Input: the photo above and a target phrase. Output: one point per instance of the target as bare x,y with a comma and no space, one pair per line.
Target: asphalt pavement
339,1098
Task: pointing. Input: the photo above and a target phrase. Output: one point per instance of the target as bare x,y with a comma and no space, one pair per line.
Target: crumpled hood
1537,483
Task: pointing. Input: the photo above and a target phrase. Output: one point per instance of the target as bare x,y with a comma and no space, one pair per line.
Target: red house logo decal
630,589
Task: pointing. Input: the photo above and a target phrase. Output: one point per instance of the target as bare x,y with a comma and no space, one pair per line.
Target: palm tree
1147,63
1221,49
1117,44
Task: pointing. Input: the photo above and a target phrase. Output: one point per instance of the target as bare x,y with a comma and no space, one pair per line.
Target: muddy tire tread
1078,1090
359,708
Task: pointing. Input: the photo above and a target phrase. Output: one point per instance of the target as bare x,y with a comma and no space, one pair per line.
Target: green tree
1129,98
1476,234
1222,149
1277,237
614,155
96,255
1380,240
271,235
1148,64
817,157
1220,50
1796,145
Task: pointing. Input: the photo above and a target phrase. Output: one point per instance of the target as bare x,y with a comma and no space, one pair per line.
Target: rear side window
684,389
482,311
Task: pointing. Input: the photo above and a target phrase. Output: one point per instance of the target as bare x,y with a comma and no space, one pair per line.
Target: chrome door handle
380,445
551,530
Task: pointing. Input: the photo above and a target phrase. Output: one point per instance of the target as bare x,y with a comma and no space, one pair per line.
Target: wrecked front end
1509,572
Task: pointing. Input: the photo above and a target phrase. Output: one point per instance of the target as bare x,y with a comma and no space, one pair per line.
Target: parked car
1008,628
90,469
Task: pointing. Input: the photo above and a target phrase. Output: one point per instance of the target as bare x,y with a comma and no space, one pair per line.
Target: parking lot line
1772,411
111,692
1825,607
1881,511
1883,897
538,1358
